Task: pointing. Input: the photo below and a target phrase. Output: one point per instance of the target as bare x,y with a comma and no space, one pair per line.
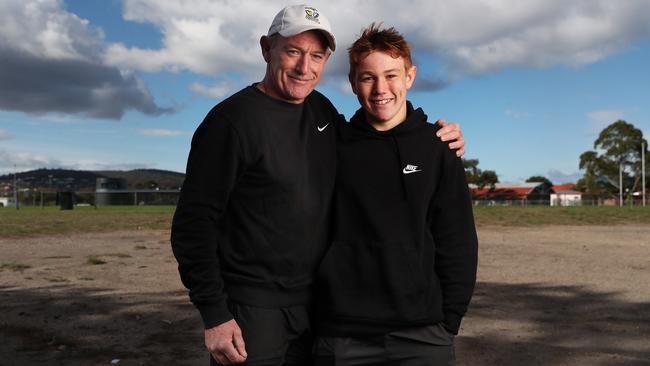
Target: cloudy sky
110,84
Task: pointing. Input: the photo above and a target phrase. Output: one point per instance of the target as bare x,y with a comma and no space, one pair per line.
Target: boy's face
380,84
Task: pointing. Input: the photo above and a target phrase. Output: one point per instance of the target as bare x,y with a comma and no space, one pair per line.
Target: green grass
546,215
34,221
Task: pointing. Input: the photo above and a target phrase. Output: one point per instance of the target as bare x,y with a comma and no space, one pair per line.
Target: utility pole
643,170
620,184
15,189
50,177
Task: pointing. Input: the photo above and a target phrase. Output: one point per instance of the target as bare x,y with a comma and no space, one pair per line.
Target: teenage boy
398,277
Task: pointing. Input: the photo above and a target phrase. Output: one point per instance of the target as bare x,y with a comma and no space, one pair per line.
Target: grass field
546,215
36,221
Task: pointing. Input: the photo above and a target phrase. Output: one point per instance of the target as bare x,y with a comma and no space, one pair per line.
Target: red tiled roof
568,191
564,187
501,193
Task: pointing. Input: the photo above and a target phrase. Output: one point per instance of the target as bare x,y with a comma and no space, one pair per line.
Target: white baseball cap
296,19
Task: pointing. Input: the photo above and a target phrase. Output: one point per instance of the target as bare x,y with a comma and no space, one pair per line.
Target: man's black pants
274,336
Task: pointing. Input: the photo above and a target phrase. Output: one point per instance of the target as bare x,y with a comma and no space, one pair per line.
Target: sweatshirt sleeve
454,233
215,162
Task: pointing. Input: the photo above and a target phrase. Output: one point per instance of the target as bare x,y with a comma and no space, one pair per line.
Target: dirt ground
546,296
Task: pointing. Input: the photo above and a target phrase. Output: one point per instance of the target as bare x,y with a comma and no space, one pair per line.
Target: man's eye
293,52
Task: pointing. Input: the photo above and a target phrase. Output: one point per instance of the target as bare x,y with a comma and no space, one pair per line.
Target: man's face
380,84
294,65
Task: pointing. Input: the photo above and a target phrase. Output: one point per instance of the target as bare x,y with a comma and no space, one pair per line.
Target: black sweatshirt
404,252
253,215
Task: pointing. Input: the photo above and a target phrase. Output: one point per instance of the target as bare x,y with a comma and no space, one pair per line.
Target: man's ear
352,83
265,45
410,76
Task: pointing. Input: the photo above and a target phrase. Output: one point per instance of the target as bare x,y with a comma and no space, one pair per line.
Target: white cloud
467,37
23,161
160,132
63,119
52,62
344,87
90,164
44,30
5,135
202,36
217,91
599,119
559,177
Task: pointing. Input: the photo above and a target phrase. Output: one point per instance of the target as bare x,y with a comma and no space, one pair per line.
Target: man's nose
302,66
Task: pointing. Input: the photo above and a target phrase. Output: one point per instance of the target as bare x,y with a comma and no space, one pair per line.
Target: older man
252,221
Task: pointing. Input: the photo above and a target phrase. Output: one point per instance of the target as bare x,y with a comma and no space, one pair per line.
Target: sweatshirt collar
415,118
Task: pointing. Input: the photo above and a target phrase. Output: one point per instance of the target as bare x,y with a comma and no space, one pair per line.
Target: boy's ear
410,76
352,83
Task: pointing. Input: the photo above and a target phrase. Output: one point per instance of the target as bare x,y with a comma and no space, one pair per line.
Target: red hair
374,39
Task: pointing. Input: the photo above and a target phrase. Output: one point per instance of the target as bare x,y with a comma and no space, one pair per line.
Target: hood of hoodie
416,120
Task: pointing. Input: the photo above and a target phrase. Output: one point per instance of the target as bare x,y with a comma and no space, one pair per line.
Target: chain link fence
35,198
584,202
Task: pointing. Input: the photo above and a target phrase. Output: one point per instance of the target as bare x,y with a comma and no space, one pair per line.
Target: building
116,191
566,198
565,195
7,202
512,193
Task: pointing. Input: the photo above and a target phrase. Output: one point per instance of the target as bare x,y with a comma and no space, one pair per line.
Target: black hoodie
404,252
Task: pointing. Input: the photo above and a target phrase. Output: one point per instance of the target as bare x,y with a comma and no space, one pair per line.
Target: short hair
373,39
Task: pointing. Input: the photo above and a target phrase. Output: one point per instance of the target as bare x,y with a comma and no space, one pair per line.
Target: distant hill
59,179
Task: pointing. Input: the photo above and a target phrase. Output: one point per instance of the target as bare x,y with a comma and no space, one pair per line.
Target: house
565,195
7,202
566,198
509,193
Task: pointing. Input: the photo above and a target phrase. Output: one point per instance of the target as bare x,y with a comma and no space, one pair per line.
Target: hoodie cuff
215,314
452,322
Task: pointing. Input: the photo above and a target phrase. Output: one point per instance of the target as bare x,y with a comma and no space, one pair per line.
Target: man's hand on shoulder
225,343
451,132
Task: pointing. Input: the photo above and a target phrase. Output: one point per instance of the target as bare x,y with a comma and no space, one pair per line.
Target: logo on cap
311,14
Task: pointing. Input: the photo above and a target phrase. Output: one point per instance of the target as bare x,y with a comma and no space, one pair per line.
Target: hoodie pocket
376,281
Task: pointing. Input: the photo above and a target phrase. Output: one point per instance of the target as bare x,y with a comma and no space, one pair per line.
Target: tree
618,146
487,178
471,168
540,179
477,176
